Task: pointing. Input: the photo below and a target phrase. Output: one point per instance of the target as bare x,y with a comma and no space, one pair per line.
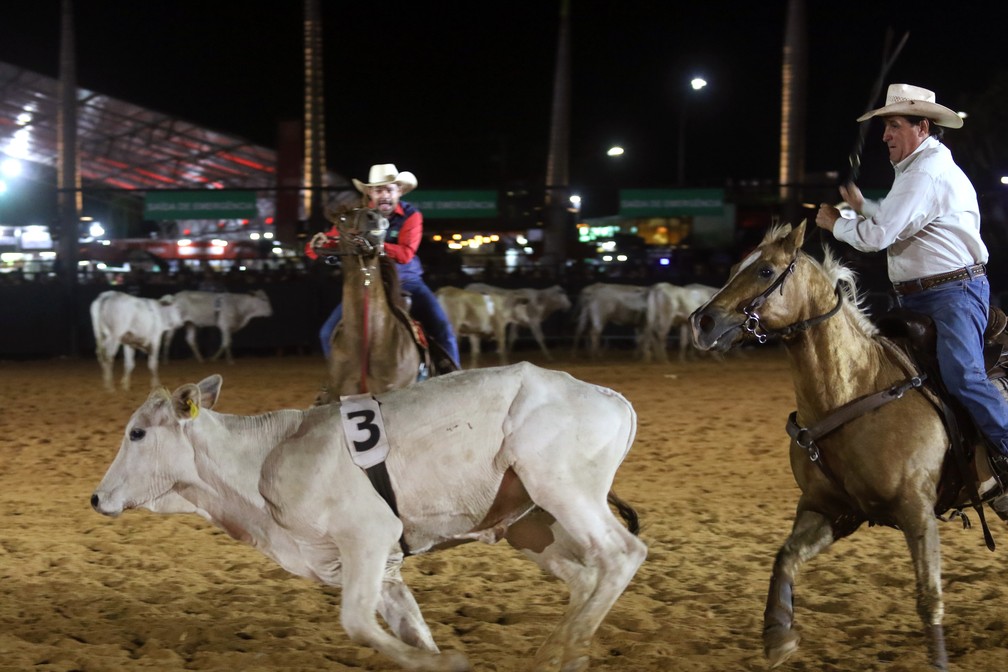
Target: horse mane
845,278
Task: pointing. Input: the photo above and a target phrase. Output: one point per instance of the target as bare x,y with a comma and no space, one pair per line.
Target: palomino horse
376,347
883,466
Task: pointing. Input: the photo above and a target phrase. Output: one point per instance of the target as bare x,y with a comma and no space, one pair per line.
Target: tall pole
557,229
792,134
314,119
68,199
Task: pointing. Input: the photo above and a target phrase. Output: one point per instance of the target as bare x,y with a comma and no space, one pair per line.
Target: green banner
454,204
670,202
209,204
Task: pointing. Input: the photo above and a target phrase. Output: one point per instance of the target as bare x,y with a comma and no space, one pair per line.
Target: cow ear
209,389
186,402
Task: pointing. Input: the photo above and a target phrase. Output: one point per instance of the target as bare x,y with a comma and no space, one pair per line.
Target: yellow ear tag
193,409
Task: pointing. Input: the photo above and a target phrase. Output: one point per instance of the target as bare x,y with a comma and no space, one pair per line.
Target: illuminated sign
454,204
205,204
670,202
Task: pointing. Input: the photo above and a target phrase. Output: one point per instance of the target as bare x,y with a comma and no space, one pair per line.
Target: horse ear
796,238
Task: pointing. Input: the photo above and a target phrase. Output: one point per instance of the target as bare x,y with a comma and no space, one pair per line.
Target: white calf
601,303
228,312
119,319
670,306
477,316
517,452
530,309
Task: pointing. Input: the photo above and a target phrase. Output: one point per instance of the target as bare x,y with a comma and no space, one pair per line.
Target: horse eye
766,272
136,434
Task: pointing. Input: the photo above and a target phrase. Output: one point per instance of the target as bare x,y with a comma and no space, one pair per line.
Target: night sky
460,93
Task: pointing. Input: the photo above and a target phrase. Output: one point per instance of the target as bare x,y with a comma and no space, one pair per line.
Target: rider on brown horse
384,188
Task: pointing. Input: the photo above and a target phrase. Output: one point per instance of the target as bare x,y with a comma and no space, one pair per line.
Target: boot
1000,506
999,465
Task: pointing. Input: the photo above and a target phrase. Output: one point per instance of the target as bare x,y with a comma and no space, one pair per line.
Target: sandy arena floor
708,474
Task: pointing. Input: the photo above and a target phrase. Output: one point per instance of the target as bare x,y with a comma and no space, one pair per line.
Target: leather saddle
916,334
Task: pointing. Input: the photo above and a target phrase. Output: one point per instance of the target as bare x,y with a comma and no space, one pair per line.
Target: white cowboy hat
386,173
913,101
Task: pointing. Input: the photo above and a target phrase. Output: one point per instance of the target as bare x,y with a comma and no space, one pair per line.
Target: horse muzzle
711,329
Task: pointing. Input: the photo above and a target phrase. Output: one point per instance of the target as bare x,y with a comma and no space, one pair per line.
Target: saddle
916,335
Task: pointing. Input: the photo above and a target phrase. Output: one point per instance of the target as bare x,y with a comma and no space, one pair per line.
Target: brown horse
376,347
884,466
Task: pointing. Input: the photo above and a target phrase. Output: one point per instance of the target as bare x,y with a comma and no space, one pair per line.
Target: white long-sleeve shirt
929,223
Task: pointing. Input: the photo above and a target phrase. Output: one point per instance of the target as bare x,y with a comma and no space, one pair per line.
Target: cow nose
94,501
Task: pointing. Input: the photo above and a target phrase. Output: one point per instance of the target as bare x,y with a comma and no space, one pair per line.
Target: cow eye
136,434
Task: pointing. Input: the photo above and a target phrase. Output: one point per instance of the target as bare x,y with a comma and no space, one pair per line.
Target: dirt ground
708,473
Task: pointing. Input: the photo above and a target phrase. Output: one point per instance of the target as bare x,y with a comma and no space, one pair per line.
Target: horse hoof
778,647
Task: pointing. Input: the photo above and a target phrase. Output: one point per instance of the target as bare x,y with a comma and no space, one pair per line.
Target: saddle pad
364,430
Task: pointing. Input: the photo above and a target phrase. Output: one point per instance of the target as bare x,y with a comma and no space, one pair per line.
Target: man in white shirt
929,226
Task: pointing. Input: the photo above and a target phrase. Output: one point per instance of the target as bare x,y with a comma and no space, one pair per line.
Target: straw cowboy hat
386,173
913,101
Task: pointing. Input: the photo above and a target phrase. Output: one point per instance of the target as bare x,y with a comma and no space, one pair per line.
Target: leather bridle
752,322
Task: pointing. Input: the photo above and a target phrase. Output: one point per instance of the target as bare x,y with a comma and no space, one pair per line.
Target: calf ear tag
193,408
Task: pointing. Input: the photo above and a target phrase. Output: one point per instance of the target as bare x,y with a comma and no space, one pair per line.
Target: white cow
530,309
477,316
602,303
518,453
228,312
120,319
670,306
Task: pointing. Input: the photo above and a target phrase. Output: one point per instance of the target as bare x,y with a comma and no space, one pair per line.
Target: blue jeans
425,309
960,310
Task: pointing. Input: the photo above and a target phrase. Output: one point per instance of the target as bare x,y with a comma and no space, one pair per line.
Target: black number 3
366,418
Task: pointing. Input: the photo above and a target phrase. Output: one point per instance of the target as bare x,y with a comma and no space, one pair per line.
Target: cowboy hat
913,101
386,173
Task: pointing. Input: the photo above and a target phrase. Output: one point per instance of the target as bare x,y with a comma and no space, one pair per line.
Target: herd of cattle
478,311
148,325
484,311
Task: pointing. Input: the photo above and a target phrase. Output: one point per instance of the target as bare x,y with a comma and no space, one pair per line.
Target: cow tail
96,321
626,512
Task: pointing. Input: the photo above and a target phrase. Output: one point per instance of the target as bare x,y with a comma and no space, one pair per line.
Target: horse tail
626,512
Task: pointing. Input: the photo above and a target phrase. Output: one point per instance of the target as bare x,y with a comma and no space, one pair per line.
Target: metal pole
68,198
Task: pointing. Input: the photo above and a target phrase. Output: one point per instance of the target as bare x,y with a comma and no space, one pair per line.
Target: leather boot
999,465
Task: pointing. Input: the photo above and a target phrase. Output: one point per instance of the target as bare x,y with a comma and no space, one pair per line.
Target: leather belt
920,284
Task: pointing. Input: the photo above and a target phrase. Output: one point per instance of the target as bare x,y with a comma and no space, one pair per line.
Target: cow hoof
780,645
455,661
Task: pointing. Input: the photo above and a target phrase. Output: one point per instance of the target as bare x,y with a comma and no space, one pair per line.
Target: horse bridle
363,247
752,323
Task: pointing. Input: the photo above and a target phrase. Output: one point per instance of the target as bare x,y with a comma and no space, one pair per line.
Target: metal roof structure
124,146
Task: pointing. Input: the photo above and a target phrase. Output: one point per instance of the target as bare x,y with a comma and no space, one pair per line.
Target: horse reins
753,325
